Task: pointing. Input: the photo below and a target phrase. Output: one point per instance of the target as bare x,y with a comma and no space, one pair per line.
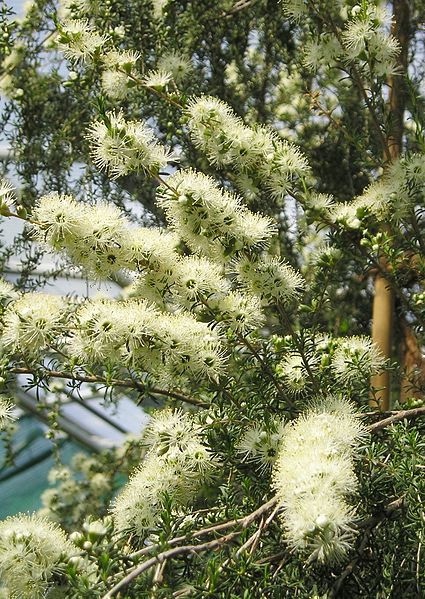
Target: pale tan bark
383,300
382,319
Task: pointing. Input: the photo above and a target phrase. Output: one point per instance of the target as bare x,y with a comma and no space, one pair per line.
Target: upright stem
383,300
382,324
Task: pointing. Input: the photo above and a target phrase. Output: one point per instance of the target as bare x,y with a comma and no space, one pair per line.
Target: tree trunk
383,301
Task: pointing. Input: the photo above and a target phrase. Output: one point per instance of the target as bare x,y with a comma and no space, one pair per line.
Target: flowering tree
257,188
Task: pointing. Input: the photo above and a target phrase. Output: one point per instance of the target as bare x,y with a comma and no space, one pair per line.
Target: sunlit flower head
260,442
356,358
178,65
7,411
270,278
313,475
34,322
32,550
79,40
121,147
7,196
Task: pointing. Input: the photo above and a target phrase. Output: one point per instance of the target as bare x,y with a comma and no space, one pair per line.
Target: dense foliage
252,174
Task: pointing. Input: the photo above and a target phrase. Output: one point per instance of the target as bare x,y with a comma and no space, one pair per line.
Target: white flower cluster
134,334
367,41
393,196
91,236
294,374
32,550
157,79
7,412
120,76
211,220
119,67
121,147
259,155
7,196
100,239
33,322
197,285
270,279
79,40
313,475
129,333
177,463
324,52
7,293
260,442
176,64
356,358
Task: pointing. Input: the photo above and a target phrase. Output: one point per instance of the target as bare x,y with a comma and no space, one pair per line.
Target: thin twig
237,7
168,554
243,523
396,417
129,383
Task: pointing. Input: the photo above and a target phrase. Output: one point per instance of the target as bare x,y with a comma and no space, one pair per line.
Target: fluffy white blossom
356,358
178,65
312,477
119,69
270,278
124,60
241,312
7,409
133,333
176,464
121,147
199,281
366,39
7,196
209,219
260,442
259,152
100,331
217,131
152,249
34,322
396,193
170,431
59,219
152,254
32,550
115,84
157,79
283,162
293,372
7,293
79,40
95,237
323,52
189,348
101,249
